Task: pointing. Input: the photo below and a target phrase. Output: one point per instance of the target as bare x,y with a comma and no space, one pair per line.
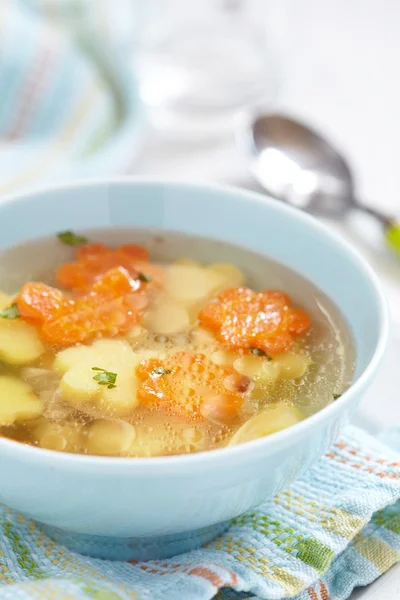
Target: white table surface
340,64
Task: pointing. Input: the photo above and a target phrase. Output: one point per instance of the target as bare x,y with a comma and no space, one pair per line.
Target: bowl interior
265,226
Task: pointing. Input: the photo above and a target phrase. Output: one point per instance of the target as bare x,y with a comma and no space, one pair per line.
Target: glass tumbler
200,62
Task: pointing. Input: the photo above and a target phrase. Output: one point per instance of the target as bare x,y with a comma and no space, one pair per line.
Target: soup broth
137,343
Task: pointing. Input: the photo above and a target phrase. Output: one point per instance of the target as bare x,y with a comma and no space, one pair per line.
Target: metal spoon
295,164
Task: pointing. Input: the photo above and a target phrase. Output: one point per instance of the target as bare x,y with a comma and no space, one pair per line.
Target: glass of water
201,62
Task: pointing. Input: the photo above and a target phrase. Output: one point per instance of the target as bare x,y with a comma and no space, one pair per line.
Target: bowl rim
241,453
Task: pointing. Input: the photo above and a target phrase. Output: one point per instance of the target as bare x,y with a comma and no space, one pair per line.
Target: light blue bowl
153,508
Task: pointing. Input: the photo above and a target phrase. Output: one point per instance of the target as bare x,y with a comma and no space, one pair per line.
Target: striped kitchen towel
335,528
68,104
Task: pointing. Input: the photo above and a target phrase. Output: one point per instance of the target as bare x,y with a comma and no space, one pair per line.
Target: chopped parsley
336,396
161,371
105,377
259,352
11,312
145,278
71,239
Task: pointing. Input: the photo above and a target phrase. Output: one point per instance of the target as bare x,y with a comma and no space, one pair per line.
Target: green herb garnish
11,312
161,371
71,239
259,352
336,396
145,278
105,377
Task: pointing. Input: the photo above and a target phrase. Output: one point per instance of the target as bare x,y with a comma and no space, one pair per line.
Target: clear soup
134,343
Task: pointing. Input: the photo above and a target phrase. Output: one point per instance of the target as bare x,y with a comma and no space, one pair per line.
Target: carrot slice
243,319
134,251
74,276
299,322
112,306
41,302
190,386
94,250
156,272
88,321
81,274
115,283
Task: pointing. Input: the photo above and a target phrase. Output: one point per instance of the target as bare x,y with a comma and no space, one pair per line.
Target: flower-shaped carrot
191,386
93,260
246,320
112,306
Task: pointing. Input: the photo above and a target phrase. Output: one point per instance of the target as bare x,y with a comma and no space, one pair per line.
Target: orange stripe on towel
324,591
209,575
312,593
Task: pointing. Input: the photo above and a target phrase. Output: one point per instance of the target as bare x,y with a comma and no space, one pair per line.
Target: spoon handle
392,236
391,227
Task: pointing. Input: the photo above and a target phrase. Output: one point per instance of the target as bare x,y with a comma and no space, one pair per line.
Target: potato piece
110,437
180,340
136,334
78,385
291,365
193,310
167,319
223,358
188,284
31,424
121,400
191,435
19,342
17,401
192,439
270,420
53,441
68,359
163,304
156,439
58,436
203,337
232,275
5,300
150,441
187,262
78,388
257,368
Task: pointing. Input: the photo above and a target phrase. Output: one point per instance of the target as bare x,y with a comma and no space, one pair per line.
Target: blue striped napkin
68,104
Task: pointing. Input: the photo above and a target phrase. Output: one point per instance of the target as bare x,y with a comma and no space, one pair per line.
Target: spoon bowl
295,164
